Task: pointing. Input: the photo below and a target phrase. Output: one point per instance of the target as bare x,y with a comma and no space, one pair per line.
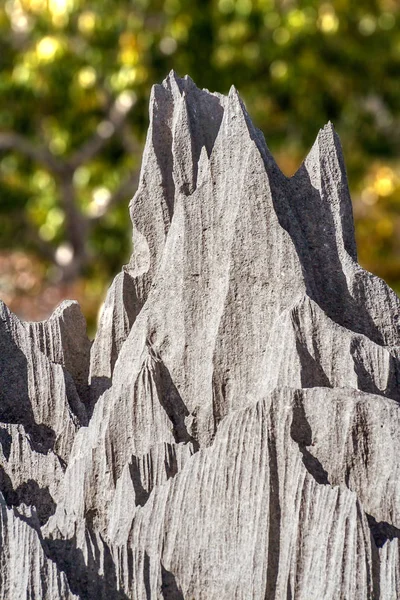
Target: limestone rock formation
233,432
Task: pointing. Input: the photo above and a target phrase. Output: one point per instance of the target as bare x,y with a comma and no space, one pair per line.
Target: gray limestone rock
62,338
233,432
26,571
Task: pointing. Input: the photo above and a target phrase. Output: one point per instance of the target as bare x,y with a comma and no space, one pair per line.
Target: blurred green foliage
75,78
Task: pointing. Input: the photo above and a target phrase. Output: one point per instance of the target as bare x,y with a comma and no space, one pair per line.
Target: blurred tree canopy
75,78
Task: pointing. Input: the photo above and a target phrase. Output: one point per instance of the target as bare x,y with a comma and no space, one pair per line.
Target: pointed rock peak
332,166
203,155
183,108
326,132
4,310
326,147
169,90
327,128
235,108
189,86
324,169
204,161
328,141
203,166
235,100
189,80
178,85
172,79
8,319
233,93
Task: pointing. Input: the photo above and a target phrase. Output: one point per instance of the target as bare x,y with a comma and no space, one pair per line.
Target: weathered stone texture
233,432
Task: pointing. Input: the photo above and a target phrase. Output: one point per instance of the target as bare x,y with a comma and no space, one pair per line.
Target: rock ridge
233,431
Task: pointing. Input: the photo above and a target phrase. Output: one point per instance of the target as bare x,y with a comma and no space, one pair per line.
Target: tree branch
45,248
129,141
75,222
15,141
116,117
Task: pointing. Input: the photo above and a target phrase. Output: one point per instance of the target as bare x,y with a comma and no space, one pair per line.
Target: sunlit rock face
233,432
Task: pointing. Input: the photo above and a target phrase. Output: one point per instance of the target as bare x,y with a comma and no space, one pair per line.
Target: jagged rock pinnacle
234,429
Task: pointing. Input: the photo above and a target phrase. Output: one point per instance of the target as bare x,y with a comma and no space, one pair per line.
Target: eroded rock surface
233,432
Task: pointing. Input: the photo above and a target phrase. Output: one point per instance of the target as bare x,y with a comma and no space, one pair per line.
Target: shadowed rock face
233,432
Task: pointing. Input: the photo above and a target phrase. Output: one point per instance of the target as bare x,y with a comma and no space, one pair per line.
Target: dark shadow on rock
393,387
204,117
5,441
171,469
91,516
125,291
162,144
141,494
170,399
146,576
42,438
15,403
7,489
170,589
98,386
382,531
312,373
170,462
220,382
84,579
360,434
308,219
365,379
301,433
289,594
83,391
375,574
77,399
28,493
274,531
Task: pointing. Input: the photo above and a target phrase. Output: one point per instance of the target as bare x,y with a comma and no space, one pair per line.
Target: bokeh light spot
64,254
168,46
87,77
367,25
328,21
281,36
87,22
47,48
279,69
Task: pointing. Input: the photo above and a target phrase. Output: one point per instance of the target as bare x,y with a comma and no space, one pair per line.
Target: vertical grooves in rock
233,432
